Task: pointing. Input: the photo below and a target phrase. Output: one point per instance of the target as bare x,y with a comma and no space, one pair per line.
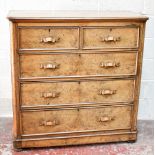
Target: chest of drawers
75,76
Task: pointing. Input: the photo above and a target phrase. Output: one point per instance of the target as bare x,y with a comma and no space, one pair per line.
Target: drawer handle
111,39
50,66
49,123
107,92
50,94
105,119
50,39
109,64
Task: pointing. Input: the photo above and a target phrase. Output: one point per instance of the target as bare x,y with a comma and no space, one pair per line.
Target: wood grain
31,37
93,37
76,140
15,82
77,120
138,79
77,64
89,91
75,92
31,94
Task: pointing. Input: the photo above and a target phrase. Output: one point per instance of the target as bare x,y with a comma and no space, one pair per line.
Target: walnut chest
75,76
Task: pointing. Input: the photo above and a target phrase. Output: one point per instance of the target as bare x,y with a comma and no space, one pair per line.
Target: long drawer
110,37
76,92
78,64
48,37
83,119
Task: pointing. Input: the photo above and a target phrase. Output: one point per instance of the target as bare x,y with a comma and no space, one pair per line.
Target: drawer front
96,118
108,64
75,92
49,93
49,65
78,64
110,37
107,91
49,38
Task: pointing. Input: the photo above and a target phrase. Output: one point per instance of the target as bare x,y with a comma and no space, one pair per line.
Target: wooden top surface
15,15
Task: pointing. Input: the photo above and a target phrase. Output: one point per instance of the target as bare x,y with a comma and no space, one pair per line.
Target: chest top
83,15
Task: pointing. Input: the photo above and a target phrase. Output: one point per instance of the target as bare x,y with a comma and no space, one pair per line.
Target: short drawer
112,64
107,91
108,64
49,65
48,38
72,120
110,37
77,92
49,93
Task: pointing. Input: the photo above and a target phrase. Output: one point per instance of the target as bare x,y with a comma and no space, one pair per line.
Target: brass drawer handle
107,92
50,39
105,119
49,123
50,66
109,64
111,39
50,94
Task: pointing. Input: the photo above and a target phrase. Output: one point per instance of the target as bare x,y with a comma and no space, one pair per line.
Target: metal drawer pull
105,119
50,66
49,123
50,94
107,92
50,39
109,64
111,39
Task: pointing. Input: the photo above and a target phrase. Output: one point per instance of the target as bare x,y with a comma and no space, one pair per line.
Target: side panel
138,77
15,81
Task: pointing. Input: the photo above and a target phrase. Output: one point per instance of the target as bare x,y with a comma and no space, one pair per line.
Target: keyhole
78,109
49,31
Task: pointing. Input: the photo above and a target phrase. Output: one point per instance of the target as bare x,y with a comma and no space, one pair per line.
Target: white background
142,6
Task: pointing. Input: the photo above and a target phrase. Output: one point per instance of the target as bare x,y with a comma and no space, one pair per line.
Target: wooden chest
75,76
